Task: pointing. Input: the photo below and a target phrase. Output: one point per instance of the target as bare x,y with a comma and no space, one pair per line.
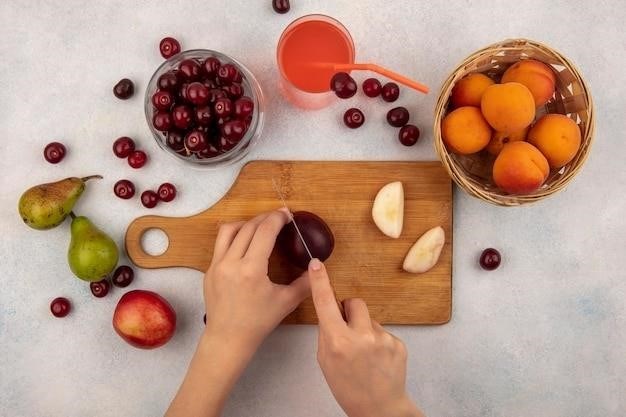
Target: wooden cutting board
365,263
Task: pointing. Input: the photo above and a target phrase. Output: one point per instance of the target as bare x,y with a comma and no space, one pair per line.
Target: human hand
242,305
364,365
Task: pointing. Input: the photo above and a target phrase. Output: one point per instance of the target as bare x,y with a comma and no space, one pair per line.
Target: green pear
45,206
92,254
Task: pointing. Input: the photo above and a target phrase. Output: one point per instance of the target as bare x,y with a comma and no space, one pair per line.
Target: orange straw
380,70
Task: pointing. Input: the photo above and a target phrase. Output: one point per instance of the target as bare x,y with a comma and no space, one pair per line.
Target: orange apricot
508,107
520,168
499,139
465,130
538,77
557,137
469,90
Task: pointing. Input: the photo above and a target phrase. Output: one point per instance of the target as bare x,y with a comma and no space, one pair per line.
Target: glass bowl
251,89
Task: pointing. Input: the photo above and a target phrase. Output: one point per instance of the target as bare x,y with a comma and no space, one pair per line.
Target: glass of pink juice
303,45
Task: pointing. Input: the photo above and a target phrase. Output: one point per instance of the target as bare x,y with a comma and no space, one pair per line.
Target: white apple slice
388,209
424,254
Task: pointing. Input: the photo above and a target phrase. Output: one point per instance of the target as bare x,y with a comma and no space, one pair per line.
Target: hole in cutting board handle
154,241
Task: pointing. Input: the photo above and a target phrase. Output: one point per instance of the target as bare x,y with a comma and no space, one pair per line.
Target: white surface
544,335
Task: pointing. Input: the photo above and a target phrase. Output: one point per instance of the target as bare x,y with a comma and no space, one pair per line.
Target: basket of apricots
514,123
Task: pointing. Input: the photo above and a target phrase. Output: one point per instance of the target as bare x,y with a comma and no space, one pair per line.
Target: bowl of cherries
204,108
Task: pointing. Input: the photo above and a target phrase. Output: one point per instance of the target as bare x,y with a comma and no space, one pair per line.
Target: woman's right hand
364,365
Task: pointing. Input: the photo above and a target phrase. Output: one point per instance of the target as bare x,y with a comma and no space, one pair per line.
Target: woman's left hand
242,305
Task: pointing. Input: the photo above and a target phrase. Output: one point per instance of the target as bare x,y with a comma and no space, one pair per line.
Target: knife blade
293,220
280,195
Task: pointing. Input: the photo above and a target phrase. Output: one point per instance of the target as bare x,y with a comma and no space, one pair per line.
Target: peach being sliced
388,209
425,253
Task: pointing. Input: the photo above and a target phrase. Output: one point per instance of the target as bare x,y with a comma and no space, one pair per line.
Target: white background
544,335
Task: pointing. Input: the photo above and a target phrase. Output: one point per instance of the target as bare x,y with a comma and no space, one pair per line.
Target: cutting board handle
182,248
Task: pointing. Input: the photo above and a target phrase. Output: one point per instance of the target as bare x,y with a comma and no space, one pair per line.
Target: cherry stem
91,177
72,215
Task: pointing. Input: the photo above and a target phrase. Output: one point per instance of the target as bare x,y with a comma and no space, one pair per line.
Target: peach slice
425,253
388,209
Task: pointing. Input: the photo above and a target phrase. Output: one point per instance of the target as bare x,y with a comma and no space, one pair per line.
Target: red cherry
162,121
100,289
166,192
210,66
234,91
169,81
60,307
211,151
243,107
343,85
408,135
54,152
124,89
189,69
353,118
248,121
203,115
226,145
372,87
182,92
223,107
169,47
137,159
280,6
195,141
227,74
123,276
209,83
175,141
215,94
234,130
162,100
122,147
149,199
124,189
398,116
490,259
182,117
390,92
197,93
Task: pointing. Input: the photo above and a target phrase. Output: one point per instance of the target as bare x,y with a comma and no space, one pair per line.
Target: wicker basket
473,172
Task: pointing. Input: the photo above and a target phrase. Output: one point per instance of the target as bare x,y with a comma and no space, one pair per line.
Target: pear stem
91,177
72,215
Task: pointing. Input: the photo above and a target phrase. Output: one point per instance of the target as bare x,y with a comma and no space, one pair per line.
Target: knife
282,199
293,220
